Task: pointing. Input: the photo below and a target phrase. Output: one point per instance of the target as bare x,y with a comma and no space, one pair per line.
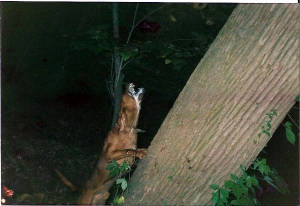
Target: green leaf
243,168
224,194
256,164
269,125
237,191
289,132
124,167
244,189
128,53
251,181
267,133
229,184
234,178
113,173
270,115
245,175
288,124
123,183
215,197
112,165
262,166
214,186
114,168
290,136
168,61
242,201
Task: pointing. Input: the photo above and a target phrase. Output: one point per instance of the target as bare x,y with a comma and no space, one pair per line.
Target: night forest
57,105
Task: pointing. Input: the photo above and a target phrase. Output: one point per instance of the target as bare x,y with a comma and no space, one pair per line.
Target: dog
120,145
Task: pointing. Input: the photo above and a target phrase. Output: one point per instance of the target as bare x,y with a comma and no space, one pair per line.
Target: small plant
290,136
237,191
267,126
242,190
117,170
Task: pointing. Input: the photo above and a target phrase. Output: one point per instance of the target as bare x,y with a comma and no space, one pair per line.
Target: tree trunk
118,76
251,68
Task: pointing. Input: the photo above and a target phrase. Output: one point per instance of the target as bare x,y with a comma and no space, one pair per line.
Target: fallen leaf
168,61
172,18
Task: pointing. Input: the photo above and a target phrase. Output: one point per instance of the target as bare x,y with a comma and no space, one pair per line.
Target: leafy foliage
242,190
261,166
267,126
237,191
291,137
117,170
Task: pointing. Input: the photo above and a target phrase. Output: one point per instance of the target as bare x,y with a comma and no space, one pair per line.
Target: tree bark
251,68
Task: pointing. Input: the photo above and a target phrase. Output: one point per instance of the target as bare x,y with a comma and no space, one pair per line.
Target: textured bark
251,68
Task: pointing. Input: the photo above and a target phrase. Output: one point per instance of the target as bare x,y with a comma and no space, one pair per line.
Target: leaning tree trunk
251,68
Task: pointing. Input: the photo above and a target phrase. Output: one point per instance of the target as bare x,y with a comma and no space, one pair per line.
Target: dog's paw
141,153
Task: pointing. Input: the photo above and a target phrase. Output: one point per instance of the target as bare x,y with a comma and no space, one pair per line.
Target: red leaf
8,192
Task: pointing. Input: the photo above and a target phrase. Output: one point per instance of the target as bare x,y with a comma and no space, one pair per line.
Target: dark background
56,110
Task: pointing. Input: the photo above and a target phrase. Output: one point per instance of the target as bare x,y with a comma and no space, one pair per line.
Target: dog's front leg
120,154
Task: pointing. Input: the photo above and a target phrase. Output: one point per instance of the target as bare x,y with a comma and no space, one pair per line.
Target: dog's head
137,96
130,107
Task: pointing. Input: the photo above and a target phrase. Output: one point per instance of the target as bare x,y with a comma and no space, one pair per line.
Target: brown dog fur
120,145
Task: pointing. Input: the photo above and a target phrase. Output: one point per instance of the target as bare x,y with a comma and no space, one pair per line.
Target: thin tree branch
125,64
133,26
115,21
289,116
150,13
133,23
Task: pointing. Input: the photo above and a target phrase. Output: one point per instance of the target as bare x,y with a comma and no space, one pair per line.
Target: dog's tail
66,181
